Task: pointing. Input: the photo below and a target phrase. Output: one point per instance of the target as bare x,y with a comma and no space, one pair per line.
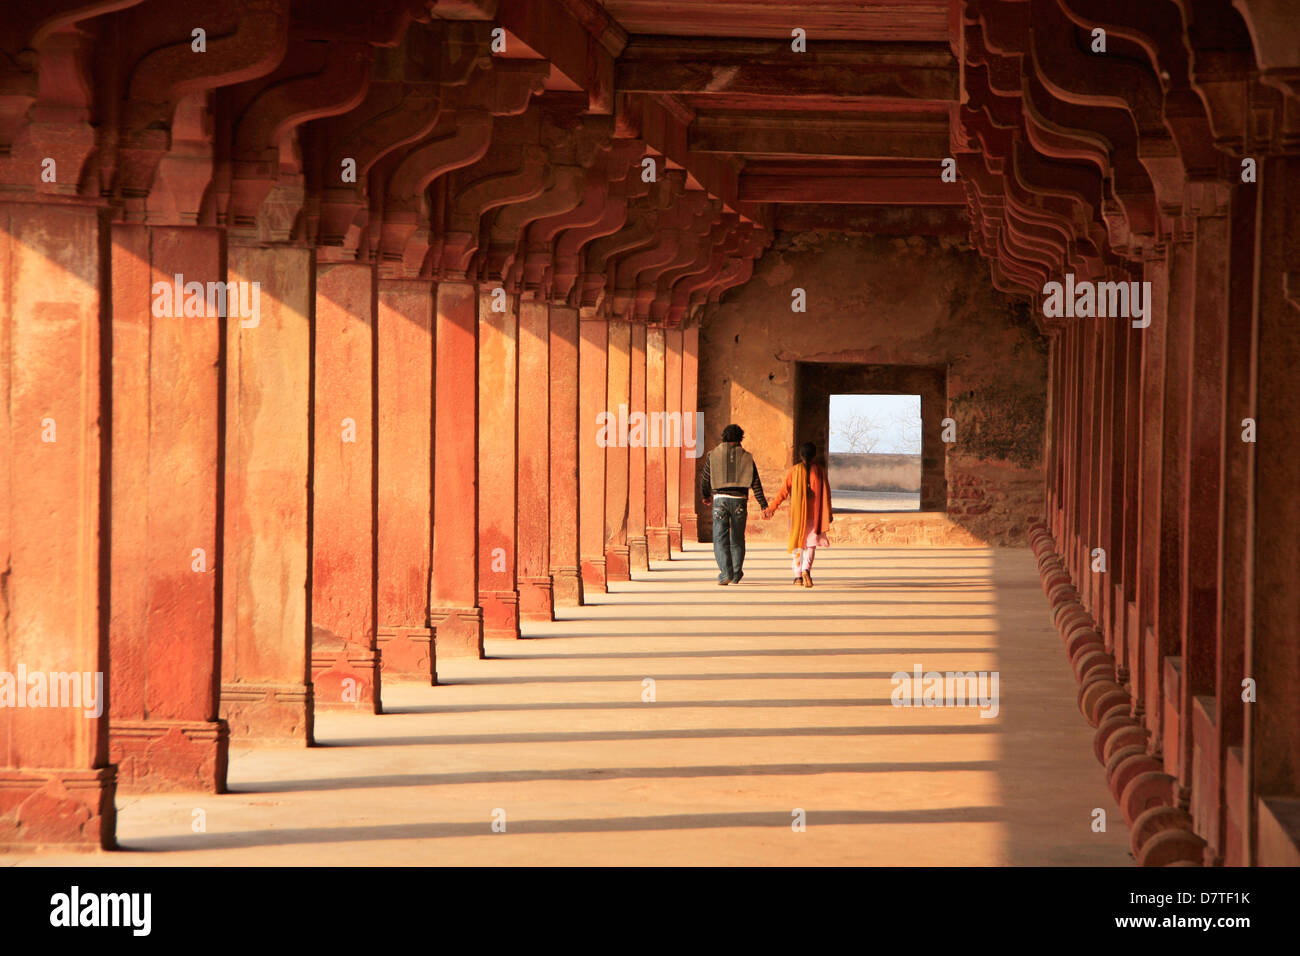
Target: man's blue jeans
729,516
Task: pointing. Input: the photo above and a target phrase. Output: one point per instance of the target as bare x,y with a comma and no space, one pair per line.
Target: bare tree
860,433
906,426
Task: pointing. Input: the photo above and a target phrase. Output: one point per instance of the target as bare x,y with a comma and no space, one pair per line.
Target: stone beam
577,37
811,182
661,122
879,136
893,71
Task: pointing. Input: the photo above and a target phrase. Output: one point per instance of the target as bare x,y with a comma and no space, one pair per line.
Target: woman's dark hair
807,451
733,433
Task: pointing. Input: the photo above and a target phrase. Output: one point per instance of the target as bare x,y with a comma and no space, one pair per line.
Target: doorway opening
894,397
874,453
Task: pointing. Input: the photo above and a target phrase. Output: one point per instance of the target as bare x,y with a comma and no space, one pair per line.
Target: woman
810,512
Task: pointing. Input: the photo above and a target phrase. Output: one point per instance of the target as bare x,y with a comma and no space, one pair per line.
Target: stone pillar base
566,587
638,554
500,614
166,756
658,540
617,566
407,653
268,714
346,680
458,631
675,532
536,600
593,575
690,526
54,809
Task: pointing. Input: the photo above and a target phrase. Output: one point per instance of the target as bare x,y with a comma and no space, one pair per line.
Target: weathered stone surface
534,470
265,673
51,524
592,389
454,611
345,663
165,557
498,448
405,432
565,508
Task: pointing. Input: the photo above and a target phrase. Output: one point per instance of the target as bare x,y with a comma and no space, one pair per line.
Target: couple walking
729,476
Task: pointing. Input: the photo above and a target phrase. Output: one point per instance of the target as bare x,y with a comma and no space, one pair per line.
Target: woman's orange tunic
809,492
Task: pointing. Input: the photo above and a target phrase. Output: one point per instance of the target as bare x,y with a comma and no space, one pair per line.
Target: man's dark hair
733,433
807,451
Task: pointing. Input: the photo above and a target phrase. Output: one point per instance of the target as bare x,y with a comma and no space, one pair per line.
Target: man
725,483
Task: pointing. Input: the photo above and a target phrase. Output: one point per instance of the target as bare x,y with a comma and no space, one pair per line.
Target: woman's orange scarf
799,505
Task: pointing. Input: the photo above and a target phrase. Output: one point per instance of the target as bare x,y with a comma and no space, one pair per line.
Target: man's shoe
736,579
807,580
723,582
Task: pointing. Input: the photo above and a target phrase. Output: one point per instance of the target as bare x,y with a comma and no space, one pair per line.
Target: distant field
844,500
884,473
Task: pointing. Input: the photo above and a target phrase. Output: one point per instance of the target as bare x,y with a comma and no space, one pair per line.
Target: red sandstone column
638,557
1273,723
534,476
454,610
1202,463
616,453
1132,533
675,410
1235,532
1143,658
1056,486
166,560
406,357
1077,451
345,662
1173,498
55,776
266,691
1084,419
693,435
656,476
1118,501
1099,529
566,578
498,410
592,385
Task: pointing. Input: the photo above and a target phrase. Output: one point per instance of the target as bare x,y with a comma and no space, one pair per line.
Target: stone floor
767,699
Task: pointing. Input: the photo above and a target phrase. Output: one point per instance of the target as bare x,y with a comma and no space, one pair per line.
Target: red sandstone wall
880,300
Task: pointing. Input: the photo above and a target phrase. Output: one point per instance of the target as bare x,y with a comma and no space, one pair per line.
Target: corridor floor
767,700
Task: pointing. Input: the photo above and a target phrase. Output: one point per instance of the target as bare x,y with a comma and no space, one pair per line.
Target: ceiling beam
822,19
577,37
916,72
660,123
882,136
812,183
929,220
